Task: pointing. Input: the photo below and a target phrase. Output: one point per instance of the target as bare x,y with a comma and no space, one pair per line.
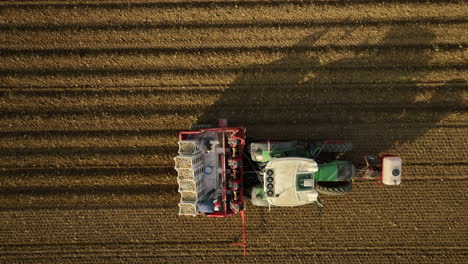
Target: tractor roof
287,186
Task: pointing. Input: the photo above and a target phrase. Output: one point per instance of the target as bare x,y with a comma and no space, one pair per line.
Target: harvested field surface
93,94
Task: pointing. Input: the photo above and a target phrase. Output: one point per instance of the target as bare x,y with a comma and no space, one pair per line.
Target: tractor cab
262,152
290,181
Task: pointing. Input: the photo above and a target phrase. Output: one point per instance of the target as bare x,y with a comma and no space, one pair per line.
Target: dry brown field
93,94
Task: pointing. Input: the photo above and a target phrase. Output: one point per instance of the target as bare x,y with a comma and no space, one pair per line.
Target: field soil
94,93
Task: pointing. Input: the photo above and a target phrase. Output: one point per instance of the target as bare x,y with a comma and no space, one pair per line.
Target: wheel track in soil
79,181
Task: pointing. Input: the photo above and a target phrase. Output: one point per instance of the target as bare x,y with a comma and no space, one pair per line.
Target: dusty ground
92,96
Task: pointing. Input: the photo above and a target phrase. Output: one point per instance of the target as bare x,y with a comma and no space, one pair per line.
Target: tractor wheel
334,187
338,147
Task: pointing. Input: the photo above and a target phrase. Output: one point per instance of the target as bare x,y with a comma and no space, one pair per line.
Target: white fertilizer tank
391,170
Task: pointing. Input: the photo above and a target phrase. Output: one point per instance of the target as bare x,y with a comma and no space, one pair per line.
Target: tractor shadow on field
372,98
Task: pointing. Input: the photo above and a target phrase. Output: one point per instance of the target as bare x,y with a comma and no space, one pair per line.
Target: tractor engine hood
290,181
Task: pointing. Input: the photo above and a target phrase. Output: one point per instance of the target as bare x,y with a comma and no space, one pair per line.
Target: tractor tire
334,188
338,147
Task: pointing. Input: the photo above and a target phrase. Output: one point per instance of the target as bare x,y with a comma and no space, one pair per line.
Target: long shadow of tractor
371,98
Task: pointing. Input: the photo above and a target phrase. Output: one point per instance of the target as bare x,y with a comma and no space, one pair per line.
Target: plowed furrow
86,176
118,4
70,134
26,139
291,257
18,102
60,151
75,197
217,89
231,61
171,122
228,251
197,109
135,120
328,69
203,16
136,78
284,38
87,159
365,72
325,258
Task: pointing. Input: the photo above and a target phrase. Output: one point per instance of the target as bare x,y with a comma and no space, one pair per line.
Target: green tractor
292,173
